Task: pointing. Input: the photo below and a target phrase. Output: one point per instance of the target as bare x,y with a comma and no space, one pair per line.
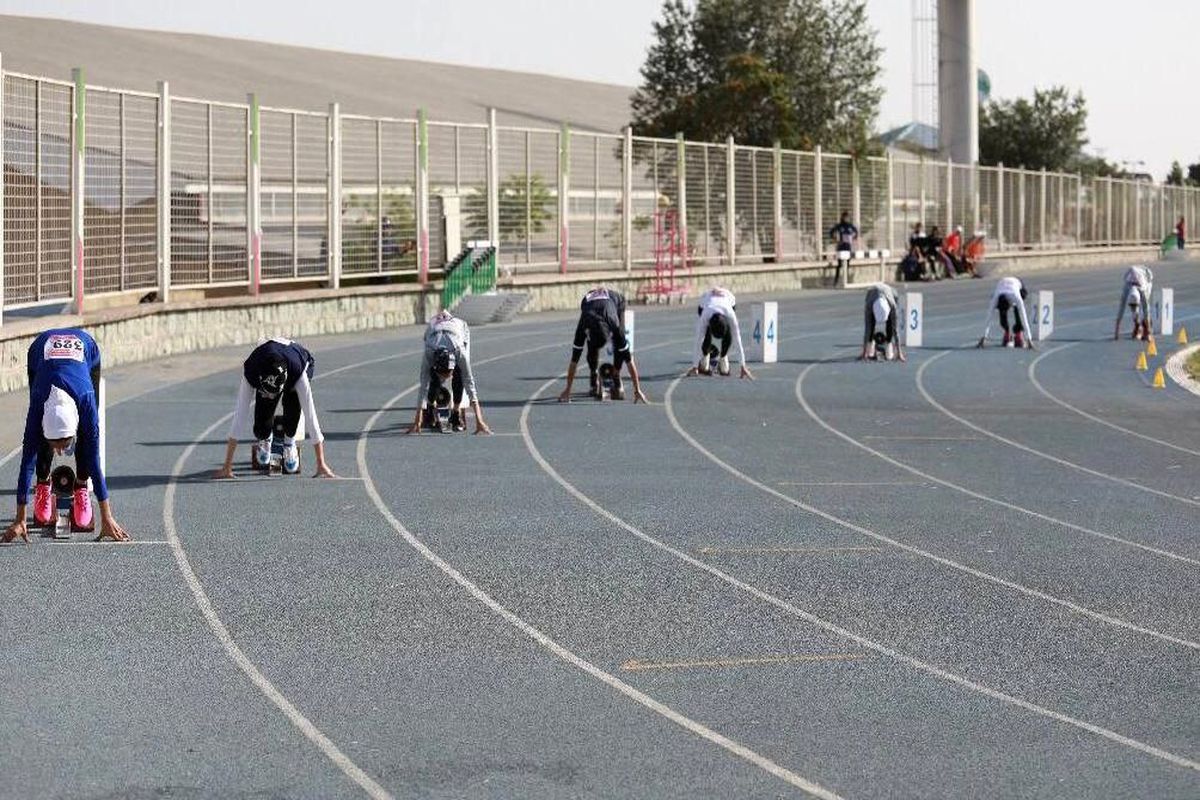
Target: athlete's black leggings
1004,306
456,387
726,342
45,460
264,414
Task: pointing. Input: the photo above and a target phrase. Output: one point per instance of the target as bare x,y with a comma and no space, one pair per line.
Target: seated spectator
953,248
973,254
932,253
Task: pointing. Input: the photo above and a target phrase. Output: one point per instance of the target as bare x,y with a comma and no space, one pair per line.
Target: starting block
1044,309
275,459
607,382
1164,311
764,339
914,319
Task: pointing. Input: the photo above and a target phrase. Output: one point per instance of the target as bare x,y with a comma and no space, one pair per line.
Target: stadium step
481,309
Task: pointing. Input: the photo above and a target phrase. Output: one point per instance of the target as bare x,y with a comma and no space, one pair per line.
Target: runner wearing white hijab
1139,286
1009,296
881,312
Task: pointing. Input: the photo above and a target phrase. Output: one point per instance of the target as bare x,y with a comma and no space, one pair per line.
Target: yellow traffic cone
1151,349
1141,364
1182,338
1159,382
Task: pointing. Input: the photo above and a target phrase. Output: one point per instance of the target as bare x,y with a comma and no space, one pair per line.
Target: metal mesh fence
21,190
872,217
458,181
528,196
594,200
773,208
705,173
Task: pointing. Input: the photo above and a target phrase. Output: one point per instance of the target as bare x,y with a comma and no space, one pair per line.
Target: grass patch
1192,365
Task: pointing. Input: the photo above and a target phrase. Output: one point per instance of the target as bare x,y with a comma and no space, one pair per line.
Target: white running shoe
704,367
262,453
723,365
291,459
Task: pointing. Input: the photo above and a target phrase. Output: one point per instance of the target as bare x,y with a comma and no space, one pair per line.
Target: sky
1130,60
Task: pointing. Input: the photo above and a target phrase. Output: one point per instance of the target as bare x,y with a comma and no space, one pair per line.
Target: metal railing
108,191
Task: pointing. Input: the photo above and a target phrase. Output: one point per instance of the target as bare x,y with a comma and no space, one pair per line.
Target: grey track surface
985,638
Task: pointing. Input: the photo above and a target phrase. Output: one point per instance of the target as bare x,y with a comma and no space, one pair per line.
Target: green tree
1047,132
524,209
801,72
1193,175
1175,176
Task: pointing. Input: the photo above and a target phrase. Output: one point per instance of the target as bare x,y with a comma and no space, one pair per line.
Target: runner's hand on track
111,529
224,473
17,530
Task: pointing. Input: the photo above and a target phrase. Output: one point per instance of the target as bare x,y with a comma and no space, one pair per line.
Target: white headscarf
60,417
881,309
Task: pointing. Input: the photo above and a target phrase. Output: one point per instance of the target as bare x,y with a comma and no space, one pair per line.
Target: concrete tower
958,92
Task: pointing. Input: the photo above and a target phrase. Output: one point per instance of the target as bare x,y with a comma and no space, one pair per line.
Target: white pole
627,198
333,237
730,203
164,191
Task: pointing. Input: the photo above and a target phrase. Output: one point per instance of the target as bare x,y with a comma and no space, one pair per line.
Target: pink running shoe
81,510
43,504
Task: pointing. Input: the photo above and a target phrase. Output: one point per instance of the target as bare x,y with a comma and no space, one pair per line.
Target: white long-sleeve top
1010,288
717,301
448,331
1140,276
243,410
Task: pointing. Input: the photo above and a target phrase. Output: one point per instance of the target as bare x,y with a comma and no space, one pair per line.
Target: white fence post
889,241
254,199
1042,210
627,198
818,200
1000,206
164,191
730,203
564,190
422,198
2,189
493,179
777,178
681,217
949,198
79,95
333,235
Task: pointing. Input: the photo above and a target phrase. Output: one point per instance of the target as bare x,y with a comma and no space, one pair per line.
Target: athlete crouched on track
1009,295
1139,286
63,368
601,315
881,313
448,358
716,331
277,371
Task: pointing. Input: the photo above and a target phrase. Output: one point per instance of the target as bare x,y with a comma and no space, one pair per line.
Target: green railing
474,271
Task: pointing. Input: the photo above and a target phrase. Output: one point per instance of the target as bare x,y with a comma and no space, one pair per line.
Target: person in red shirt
953,247
1180,233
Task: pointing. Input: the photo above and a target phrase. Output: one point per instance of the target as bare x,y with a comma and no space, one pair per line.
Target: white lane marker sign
914,319
1044,309
764,335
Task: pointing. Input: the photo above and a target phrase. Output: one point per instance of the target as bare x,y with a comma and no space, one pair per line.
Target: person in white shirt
1139,286
1009,295
881,314
448,358
716,331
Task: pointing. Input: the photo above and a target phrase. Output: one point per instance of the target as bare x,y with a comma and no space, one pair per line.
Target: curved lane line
808,409
929,398
1032,372
607,678
813,619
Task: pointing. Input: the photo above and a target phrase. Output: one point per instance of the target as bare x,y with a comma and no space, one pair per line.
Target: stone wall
144,332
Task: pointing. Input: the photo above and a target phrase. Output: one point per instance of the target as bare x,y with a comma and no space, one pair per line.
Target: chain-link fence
183,190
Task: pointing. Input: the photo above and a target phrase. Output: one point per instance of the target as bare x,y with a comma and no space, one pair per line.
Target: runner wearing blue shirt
844,234
63,368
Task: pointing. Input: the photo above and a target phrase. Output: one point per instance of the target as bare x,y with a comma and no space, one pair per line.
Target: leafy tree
1048,132
1175,176
801,72
1193,175
520,207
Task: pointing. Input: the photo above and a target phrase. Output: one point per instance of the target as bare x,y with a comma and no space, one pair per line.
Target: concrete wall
145,332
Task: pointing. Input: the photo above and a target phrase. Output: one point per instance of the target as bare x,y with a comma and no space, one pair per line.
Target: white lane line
610,680
1032,372
808,409
925,438
784,549
637,665
929,398
808,616
850,483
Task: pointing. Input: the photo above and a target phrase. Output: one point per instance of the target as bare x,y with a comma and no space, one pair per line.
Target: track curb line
1178,372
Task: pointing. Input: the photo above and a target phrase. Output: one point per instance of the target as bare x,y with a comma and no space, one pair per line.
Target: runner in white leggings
1009,296
1139,286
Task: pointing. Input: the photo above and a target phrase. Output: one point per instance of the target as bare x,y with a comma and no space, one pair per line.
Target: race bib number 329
64,347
